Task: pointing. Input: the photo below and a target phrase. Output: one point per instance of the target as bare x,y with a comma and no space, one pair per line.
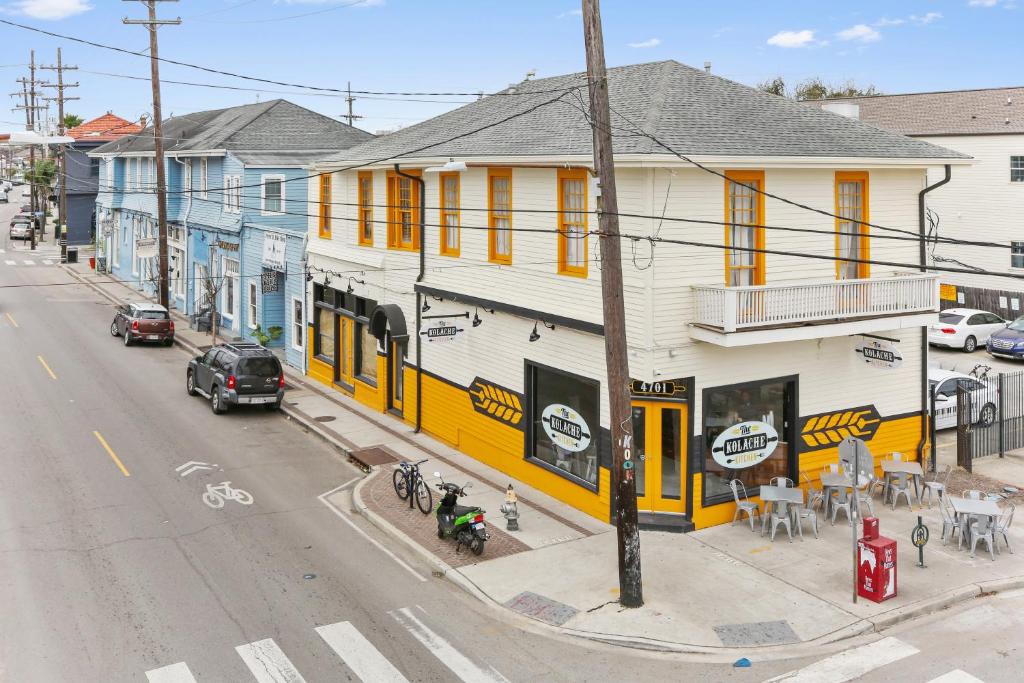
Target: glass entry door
659,438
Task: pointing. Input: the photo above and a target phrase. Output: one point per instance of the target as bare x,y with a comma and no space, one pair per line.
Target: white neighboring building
982,202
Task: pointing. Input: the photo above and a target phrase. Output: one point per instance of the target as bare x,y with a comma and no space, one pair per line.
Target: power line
293,16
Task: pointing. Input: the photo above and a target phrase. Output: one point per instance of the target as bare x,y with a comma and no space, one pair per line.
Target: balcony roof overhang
816,330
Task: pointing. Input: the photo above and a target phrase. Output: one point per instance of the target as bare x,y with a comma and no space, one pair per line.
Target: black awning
388,317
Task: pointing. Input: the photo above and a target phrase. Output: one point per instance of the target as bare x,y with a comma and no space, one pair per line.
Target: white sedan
964,328
984,398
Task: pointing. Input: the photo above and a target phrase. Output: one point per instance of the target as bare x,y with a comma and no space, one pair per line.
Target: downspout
305,303
923,258
419,297
188,246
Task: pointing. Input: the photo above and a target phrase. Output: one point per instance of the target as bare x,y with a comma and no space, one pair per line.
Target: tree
816,88
776,86
72,120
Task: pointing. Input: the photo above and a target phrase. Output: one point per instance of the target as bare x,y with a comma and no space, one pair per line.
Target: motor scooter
462,522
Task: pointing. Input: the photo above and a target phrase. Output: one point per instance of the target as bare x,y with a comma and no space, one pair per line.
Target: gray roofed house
690,110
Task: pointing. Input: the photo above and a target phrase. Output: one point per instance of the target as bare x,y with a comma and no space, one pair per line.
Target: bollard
919,537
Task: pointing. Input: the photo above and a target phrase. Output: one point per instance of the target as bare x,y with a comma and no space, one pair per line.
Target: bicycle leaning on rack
980,371
407,478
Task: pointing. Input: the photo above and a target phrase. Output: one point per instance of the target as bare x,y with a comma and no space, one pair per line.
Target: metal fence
989,416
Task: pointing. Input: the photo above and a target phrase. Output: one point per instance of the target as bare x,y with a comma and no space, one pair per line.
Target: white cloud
861,33
983,3
650,42
51,9
570,13
364,3
926,18
803,38
891,22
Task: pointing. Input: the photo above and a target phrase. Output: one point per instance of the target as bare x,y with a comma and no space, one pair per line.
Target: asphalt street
113,569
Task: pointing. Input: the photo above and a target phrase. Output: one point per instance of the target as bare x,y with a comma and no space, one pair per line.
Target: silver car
21,231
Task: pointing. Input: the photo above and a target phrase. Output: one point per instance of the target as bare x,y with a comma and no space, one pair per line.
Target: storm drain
373,456
325,418
541,608
756,633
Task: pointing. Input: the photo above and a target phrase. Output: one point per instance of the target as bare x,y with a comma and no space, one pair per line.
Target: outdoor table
890,467
774,494
967,507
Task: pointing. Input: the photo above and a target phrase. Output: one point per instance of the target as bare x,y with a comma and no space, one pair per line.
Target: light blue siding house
237,208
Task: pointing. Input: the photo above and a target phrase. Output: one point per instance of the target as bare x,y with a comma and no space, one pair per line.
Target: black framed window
1017,169
771,402
366,343
1017,254
564,423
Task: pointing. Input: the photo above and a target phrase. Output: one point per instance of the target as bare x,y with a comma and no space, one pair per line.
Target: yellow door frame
652,500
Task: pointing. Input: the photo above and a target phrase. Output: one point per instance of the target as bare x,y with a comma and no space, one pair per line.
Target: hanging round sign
565,427
744,445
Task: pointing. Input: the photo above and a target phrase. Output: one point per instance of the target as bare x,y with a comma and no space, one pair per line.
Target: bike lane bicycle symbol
215,496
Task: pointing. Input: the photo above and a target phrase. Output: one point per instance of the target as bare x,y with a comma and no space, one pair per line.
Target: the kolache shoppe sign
565,427
744,445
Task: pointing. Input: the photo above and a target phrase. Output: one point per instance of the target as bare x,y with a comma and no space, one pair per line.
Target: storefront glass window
367,353
325,344
767,402
564,422
671,453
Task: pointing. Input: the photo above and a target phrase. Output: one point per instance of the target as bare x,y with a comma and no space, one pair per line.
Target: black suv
237,374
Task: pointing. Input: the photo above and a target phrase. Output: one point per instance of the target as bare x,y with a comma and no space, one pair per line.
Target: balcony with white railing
738,316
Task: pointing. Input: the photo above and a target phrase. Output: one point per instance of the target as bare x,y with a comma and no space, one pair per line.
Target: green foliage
816,89
776,86
72,120
273,333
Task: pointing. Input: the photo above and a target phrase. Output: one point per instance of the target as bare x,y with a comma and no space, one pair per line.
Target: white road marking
3,251
343,517
851,664
11,262
359,654
29,262
956,676
268,663
175,673
48,262
458,663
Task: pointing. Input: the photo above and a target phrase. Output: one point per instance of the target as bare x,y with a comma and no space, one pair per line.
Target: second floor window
744,212
273,194
1017,169
365,201
233,194
203,178
499,233
325,205
1017,254
138,173
186,177
851,233
403,200
450,214
572,222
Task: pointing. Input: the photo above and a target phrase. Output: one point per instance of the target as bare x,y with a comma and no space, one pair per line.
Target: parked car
143,322
984,398
239,373
3,196
1008,342
26,217
22,230
26,191
964,328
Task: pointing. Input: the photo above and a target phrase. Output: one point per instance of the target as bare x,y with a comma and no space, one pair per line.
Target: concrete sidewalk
723,592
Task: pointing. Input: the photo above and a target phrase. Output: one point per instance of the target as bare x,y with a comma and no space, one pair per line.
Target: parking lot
953,359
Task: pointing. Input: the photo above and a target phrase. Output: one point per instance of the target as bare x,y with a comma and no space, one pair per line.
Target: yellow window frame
450,212
863,269
758,268
402,212
325,206
364,201
496,214
565,224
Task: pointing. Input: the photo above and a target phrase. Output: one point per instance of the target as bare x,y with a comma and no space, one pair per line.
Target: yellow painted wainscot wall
902,434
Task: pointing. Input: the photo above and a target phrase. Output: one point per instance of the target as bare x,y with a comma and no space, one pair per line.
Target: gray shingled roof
275,125
693,112
954,112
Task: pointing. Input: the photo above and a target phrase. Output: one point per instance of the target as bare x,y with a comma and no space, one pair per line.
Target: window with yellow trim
852,235
744,212
450,214
499,215
403,203
325,206
572,222
365,202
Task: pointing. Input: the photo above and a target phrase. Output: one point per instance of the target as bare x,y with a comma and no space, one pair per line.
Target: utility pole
152,24
60,85
350,116
631,592
28,92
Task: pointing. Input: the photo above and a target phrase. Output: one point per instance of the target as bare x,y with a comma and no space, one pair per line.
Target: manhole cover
756,633
325,418
373,456
541,608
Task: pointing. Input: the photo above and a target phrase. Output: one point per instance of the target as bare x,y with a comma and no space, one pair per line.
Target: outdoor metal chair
937,484
780,514
814,496
983,530
841,501
899,484
896,456
1003,523
949,522
806,512
782,482
876,483
833,468
743,505
972,494
866,481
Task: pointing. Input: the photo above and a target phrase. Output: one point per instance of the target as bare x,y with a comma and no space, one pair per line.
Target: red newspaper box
876,568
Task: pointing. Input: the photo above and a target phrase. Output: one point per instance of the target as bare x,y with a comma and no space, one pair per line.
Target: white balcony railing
739,308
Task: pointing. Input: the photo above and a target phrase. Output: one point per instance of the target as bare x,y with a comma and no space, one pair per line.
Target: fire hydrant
510,510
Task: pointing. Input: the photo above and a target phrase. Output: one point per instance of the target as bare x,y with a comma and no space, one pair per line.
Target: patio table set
976,516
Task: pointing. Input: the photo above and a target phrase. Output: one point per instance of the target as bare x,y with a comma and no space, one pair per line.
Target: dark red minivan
143,322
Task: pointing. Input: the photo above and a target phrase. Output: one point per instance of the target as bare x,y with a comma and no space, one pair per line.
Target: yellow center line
52,376
112,454
11,318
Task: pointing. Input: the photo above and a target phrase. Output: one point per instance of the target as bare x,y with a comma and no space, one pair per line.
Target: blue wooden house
237,208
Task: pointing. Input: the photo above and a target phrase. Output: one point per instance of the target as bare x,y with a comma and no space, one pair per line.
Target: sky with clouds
460,46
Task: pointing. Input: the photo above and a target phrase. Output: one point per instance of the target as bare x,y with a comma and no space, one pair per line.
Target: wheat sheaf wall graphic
828,429
496,401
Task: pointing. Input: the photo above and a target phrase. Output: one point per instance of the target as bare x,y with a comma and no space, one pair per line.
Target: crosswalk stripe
29,262
47,262
11,263
459,664
268,663
956,676
359,654
851,664
175,673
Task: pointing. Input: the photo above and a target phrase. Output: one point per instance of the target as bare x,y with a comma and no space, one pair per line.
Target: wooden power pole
152,24
61,98
631,592
29,92
350,116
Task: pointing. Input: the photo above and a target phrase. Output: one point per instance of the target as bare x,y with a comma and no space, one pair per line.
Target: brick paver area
379,496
